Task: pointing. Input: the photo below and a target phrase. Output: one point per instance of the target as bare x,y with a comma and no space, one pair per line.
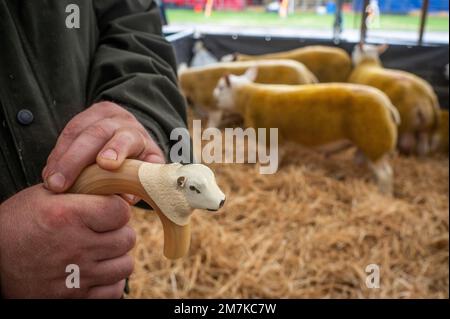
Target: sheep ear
251,73
382,48
181,181
361,46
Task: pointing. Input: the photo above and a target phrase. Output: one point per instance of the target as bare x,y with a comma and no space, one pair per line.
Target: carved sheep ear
361,46
181,181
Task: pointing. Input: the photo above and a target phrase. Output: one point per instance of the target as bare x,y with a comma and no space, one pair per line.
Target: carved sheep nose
222,202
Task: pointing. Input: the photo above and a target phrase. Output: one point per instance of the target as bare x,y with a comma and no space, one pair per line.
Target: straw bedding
308,231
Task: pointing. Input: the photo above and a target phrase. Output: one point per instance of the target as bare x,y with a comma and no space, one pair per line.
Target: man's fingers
72,130
114,291
81,153
154,158
125,143
110,271
130,199
113,244
105,133
152,153
103,213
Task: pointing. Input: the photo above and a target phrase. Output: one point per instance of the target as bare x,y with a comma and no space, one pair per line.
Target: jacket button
25,117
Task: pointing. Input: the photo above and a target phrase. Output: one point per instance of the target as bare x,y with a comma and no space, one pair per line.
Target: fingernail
110,155
130,198
44,171
56,181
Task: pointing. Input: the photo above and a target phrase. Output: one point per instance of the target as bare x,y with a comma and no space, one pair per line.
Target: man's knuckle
105,105
98,132
64,166
76,254
130,238
128,266
125,137
51,158
57,216
71,130
128,116
145,141
123,209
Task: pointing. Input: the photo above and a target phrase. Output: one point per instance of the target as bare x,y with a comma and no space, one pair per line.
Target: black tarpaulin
427,62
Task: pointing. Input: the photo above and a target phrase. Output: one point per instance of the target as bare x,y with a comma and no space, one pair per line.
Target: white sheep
318,116
198,83
412,96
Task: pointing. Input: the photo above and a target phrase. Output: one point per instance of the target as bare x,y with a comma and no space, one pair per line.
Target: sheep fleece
159,181
329,64
407,92
198,83
319,114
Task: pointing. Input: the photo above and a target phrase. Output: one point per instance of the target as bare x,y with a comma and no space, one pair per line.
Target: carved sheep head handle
199,187
193,186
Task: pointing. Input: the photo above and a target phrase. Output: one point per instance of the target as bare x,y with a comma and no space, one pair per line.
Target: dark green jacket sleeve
134,66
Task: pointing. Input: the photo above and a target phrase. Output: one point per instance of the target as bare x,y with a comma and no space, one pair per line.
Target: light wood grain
97,181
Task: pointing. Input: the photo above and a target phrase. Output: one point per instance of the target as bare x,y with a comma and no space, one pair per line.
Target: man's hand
41,233
105,133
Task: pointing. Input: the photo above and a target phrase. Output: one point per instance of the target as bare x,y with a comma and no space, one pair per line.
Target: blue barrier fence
405,6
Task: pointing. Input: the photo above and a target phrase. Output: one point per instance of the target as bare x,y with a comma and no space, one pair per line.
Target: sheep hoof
214,119
423,145
384,176
359,158
407,143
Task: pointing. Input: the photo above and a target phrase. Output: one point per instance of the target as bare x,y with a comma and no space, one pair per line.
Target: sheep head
367,52
224,91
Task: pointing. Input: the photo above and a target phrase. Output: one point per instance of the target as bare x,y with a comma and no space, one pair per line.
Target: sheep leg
199,111
383,174
435,142
334,148
423,144
407,143
359,158
214,118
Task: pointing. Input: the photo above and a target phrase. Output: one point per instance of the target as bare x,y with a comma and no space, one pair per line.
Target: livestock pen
316,227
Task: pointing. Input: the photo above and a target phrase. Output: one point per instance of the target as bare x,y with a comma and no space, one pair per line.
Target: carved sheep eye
193,188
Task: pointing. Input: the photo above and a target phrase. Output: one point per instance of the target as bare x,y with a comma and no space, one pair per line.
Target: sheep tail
436,115
395,114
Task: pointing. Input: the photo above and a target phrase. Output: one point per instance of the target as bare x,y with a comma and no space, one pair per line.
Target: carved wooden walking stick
172,190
